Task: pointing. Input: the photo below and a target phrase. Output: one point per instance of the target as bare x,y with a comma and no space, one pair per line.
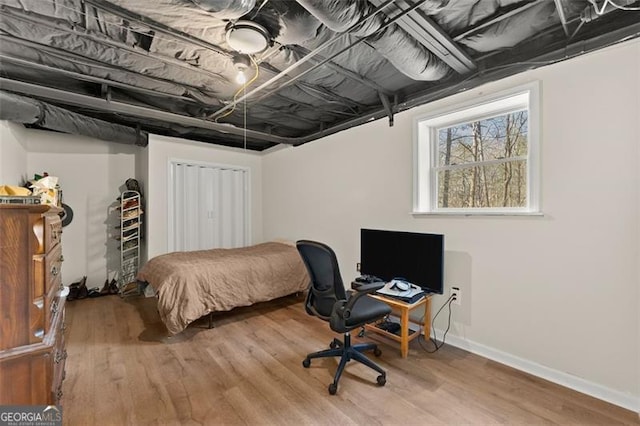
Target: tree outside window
479,159
483,163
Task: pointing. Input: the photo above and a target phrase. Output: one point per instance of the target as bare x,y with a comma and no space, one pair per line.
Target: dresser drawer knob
54,271
54,307
59,393
61,258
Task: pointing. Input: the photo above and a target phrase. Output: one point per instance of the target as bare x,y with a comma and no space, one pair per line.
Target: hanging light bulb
241,78
241,63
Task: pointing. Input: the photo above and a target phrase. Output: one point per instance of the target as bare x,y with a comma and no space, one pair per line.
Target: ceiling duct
395,44
226,9
23,110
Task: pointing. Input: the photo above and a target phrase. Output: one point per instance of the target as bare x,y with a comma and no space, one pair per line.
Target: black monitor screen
417,258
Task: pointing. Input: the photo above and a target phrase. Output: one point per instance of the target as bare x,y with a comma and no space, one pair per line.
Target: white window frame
425,193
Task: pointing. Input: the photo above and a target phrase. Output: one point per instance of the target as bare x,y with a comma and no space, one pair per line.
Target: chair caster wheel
377,352
382,380
333,389
333,344
306,362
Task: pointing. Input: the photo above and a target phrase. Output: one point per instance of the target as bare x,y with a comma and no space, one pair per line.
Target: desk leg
427,319
404,332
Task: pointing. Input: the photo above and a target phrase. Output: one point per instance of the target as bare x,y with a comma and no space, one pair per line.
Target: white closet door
208,207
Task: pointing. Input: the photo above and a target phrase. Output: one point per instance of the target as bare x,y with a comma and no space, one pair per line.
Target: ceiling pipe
392,42
561,54
20,109
132,110
311,55
342,70
188,38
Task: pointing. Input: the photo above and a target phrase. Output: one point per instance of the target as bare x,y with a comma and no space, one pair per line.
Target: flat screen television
415,257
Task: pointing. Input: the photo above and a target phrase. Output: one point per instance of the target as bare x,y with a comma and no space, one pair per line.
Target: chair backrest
326,283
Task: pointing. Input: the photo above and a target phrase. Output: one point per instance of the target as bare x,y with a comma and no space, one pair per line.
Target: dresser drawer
52,268
52,231
46,271
51,308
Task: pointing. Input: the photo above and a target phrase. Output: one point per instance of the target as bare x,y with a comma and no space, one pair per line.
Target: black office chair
328,300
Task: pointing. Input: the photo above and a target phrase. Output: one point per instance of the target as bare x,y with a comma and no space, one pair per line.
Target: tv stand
405,309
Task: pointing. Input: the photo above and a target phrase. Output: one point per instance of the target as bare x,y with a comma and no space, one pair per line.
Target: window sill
477,213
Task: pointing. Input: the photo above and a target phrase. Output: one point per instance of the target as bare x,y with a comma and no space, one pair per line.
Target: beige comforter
192,284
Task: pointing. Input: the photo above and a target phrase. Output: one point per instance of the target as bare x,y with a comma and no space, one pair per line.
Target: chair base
347,352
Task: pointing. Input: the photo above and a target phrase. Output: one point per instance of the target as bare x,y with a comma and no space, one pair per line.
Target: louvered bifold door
209,206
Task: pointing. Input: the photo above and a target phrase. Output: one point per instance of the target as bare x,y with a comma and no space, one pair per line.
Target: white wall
142,173
13,154
557,295
160,151
91,174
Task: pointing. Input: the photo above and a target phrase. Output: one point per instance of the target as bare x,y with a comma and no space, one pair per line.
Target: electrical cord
444,336
241,89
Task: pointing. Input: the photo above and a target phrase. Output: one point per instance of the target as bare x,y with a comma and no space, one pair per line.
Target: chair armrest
363,290
370,287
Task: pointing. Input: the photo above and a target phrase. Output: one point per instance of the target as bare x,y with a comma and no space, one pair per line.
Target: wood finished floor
122,369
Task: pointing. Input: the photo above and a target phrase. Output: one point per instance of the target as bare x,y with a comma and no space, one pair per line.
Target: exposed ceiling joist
188,38
165,66
89,78
134,110
342,70
427,33
315,52
497,19
563,17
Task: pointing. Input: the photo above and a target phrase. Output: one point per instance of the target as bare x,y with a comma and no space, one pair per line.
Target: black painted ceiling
166,67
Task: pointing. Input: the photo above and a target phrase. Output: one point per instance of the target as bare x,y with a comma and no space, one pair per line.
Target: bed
190,285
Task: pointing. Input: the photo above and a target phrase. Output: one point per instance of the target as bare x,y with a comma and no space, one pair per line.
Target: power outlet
457,295
358,266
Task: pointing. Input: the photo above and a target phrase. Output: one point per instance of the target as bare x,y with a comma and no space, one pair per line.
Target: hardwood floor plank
123,369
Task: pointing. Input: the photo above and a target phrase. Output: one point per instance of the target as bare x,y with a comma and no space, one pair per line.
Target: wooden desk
405,308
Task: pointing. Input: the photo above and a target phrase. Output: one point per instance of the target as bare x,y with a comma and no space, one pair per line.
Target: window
480,158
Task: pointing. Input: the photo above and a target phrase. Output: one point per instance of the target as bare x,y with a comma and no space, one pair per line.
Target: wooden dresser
32,353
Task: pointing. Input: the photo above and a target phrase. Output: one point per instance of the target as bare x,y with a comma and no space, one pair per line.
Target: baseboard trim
567,380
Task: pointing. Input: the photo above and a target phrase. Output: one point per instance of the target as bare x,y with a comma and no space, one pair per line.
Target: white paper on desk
389,291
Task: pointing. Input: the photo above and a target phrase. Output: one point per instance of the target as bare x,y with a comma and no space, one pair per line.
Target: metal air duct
226,9
395,44
23,110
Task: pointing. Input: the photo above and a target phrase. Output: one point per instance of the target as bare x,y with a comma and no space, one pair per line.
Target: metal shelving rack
130,234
